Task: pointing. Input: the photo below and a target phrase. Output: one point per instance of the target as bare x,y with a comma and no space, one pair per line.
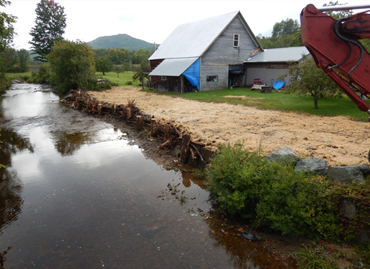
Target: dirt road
338,140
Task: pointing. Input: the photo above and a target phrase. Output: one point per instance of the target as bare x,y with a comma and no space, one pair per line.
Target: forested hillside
120,41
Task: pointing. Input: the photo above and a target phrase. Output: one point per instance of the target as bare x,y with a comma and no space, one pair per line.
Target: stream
78,193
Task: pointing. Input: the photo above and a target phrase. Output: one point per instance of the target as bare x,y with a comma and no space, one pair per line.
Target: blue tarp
193,74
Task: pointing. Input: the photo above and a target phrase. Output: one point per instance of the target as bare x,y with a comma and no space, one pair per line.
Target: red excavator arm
335,48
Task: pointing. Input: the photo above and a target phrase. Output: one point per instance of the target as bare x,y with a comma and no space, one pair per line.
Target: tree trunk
315,100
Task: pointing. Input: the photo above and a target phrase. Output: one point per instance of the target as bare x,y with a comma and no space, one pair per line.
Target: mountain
121,41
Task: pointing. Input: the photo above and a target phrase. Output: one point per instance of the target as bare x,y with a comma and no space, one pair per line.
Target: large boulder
353,173
316,166
283,155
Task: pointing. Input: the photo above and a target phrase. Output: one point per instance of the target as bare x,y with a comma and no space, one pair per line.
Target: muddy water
78,193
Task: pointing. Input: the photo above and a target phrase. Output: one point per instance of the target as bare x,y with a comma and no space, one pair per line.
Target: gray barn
204,55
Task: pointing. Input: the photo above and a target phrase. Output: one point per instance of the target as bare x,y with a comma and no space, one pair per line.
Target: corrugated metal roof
192,39
279,55
173,67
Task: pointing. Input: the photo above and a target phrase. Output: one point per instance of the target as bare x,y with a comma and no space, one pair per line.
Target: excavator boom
335,47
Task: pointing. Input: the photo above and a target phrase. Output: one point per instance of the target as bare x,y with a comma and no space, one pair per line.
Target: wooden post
166,130
128,112
139,121
185,148
152,127
99,108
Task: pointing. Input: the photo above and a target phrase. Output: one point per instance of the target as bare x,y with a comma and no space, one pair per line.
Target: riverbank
281,247
338,140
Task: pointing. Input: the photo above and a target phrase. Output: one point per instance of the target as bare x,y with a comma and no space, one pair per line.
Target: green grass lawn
121,80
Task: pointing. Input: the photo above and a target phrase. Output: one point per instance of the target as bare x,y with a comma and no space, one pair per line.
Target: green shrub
42,76
5,82
129,82
271,195
102,86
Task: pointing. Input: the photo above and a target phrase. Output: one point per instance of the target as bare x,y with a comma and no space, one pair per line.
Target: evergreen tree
50,23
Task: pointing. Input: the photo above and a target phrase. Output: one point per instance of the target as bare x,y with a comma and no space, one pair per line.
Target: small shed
204,55
267,65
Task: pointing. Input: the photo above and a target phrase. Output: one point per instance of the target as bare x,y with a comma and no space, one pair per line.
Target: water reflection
67,144
10,204
14,143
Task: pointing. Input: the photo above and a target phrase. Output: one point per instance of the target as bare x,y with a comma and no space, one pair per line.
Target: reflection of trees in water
12,143
10,186
10,203
2,257
67,144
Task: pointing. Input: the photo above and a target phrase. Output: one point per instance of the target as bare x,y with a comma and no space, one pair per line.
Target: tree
284,34
16,60
6,38
6,27
103,64
116,56
284,27
142,72
118,69
50,23
23,59
338,14
73,65
306,79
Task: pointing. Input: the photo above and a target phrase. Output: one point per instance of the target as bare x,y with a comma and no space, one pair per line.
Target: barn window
236,40
212,78
163,77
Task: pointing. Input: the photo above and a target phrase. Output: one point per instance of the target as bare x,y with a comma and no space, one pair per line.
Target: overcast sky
153,21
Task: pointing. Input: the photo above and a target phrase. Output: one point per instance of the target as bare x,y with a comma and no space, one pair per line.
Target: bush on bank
274,197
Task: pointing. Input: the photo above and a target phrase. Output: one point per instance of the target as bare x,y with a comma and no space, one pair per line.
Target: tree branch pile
166,134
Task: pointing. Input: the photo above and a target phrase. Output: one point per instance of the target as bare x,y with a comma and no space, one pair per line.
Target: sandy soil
338,140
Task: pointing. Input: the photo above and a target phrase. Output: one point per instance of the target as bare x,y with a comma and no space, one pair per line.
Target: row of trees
16,61
119,60
121,56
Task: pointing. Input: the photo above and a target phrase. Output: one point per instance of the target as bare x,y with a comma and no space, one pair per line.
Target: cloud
125,18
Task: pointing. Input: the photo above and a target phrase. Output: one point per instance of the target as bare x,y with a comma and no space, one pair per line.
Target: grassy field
111,76
18,75
121,80
275,100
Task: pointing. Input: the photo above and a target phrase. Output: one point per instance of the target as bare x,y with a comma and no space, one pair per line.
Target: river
78,193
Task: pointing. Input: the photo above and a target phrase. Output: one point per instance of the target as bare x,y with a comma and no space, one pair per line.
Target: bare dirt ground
338,140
